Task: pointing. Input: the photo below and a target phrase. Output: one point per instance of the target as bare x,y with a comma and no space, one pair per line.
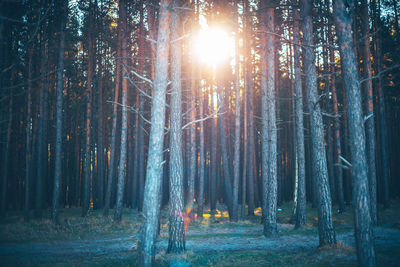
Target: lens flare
213,46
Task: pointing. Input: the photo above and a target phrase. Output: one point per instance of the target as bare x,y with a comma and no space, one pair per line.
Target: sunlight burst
213,46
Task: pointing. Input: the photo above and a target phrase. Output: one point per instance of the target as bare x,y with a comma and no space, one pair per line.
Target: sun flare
213,45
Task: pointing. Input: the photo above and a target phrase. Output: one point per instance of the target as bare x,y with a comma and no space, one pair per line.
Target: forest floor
212,241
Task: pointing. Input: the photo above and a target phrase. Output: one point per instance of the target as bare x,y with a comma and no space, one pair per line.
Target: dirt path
197,241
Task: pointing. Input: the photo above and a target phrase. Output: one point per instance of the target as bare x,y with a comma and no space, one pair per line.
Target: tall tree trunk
89,92
361,206
381,108
28,132
325,224
6,161
152,190
227,185
124,119
59,119
236,153
100,126
192,146
251,151
268,130
42,134
111,169
213,156
202,158
369,110
336,122
301,171
176,241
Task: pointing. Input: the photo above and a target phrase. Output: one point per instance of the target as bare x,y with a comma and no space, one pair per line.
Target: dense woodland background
85,86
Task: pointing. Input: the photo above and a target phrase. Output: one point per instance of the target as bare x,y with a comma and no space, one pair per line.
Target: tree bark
326,231
124,119
152,191
113,142
369,110
268,130
89,92
361,206
59,120
176,241
301,171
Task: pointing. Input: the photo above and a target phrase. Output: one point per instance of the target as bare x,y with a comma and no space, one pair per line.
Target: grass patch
71,226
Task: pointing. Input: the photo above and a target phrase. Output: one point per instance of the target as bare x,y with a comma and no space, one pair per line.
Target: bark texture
325,223
361,206
152,190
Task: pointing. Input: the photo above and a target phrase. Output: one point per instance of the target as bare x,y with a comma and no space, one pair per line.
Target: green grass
71,226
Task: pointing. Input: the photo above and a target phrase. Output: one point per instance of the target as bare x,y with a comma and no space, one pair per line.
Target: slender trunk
236,153
251,153
100,130
87,159
336,123
213,156
177,216
113,142
202,158
361,206
42,136
325,223
268,130
369,110
191,147
152,190
382,114
224,153
59,119
124,119
6,160
301,171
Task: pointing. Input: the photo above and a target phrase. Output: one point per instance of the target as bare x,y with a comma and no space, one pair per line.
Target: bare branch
143,78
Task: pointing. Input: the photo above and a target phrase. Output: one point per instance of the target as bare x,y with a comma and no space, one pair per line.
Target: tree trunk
152,190
301,171
336,122
100,128
124,119
111,169
236,153
227,186
202,158
382,110
361,206
59,119
6,161
325,224
176,241
87,159
268,130
369,110
42,134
